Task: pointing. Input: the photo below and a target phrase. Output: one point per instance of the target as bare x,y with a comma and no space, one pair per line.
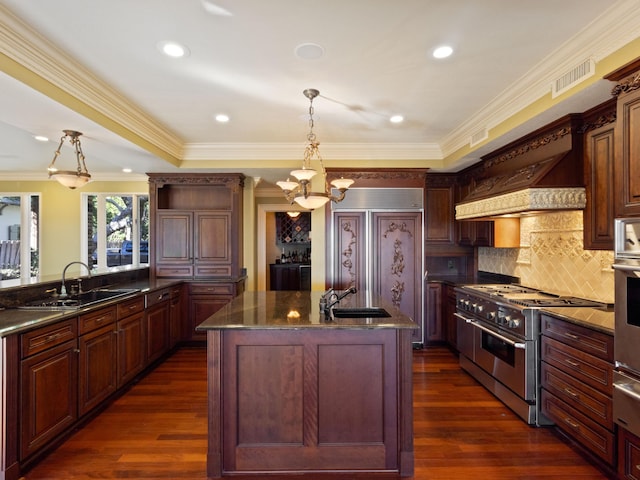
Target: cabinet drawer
595,343
213,270
43,338
584,367
596,405
593,436
157,296
212,289
174,270
97,319
628,455
130,307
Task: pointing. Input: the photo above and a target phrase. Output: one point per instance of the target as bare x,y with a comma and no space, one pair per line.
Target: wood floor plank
157,430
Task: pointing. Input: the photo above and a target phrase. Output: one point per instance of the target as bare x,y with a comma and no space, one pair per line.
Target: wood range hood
540,172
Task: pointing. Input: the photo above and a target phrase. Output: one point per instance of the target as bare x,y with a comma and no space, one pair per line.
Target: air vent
478,137
573,77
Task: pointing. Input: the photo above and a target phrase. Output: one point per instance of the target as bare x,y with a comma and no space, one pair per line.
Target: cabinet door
131,347
202,307
175,316
439,216
174,237
397,262
628,455
97,367
628,152
212,244
433,317
599,172
49,402
350,245
157,331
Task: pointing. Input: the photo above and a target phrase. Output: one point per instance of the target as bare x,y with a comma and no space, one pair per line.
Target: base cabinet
131,339
577,385
97,369
433,318
628,455
157,330
48,385
205,299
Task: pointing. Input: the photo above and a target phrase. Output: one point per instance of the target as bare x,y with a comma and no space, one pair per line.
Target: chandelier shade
300,191
70,178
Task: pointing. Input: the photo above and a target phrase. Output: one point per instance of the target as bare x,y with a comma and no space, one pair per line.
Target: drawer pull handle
52,337
637,467
571,423
571,336
572,363
570,392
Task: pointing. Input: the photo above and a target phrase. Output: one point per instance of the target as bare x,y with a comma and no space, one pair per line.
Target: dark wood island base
292,392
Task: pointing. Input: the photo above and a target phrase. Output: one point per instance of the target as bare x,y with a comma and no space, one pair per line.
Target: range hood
541,172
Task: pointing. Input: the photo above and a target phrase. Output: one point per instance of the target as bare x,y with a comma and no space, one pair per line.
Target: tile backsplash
552,258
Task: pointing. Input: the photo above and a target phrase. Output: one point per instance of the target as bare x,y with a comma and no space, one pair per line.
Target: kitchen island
291,390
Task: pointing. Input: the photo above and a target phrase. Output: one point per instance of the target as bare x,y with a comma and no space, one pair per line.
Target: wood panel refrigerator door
350,254
397,262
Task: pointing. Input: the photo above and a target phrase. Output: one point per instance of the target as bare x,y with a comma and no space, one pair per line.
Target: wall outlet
450,264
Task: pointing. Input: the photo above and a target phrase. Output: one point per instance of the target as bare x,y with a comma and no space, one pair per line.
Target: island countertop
297,310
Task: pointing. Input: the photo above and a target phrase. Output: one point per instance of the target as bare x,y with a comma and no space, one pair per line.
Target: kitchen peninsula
292,390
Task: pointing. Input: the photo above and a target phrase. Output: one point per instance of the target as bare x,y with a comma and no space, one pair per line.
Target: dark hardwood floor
157,430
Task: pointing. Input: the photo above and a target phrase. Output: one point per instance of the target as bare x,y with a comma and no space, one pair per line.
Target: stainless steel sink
76,301
360,312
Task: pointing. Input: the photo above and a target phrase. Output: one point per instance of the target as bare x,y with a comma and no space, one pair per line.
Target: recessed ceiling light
309,51
222,118
41,138
173,49
396,119
127,170
442,52
214,9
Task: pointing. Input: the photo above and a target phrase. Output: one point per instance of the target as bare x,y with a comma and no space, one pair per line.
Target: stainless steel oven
498,340
626,392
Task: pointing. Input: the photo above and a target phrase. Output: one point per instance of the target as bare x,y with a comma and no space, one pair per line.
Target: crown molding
293,151
614,29
27,47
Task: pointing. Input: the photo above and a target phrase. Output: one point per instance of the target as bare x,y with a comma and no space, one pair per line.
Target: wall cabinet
48,384
599,161
439,214
627,139
197,225
577,384
97,368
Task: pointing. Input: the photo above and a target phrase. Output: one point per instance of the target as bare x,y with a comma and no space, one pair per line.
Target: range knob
479,308
491,315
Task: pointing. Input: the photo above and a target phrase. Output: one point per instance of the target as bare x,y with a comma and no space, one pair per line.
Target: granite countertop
296,310
602,320
14,320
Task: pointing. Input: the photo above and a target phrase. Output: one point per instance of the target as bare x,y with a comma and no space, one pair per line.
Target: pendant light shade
70,178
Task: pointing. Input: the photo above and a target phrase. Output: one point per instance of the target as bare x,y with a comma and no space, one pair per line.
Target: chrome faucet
63,288
335,298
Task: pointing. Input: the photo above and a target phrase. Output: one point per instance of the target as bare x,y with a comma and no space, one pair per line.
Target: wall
552,258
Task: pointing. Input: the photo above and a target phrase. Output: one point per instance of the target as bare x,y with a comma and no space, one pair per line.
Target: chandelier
300,191
70,178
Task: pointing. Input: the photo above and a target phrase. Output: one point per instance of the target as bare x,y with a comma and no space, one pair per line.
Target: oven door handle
519,345
462,317
625,388
627,268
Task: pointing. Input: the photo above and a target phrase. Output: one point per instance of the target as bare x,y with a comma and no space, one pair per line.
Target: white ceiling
377,62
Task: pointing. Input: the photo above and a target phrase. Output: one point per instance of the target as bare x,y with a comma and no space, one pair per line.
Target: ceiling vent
479,136
573,77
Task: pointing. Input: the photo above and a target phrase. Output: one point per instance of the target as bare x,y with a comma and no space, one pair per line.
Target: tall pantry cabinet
196,220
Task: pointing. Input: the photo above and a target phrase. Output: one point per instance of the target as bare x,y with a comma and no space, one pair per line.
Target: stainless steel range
498,340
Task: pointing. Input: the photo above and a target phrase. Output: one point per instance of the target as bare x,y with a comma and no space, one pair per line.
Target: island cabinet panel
306,401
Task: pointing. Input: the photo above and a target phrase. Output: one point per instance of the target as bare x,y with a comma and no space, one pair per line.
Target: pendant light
300,191
70,178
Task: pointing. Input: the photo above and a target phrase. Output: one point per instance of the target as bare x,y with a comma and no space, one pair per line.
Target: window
117,229
19,235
